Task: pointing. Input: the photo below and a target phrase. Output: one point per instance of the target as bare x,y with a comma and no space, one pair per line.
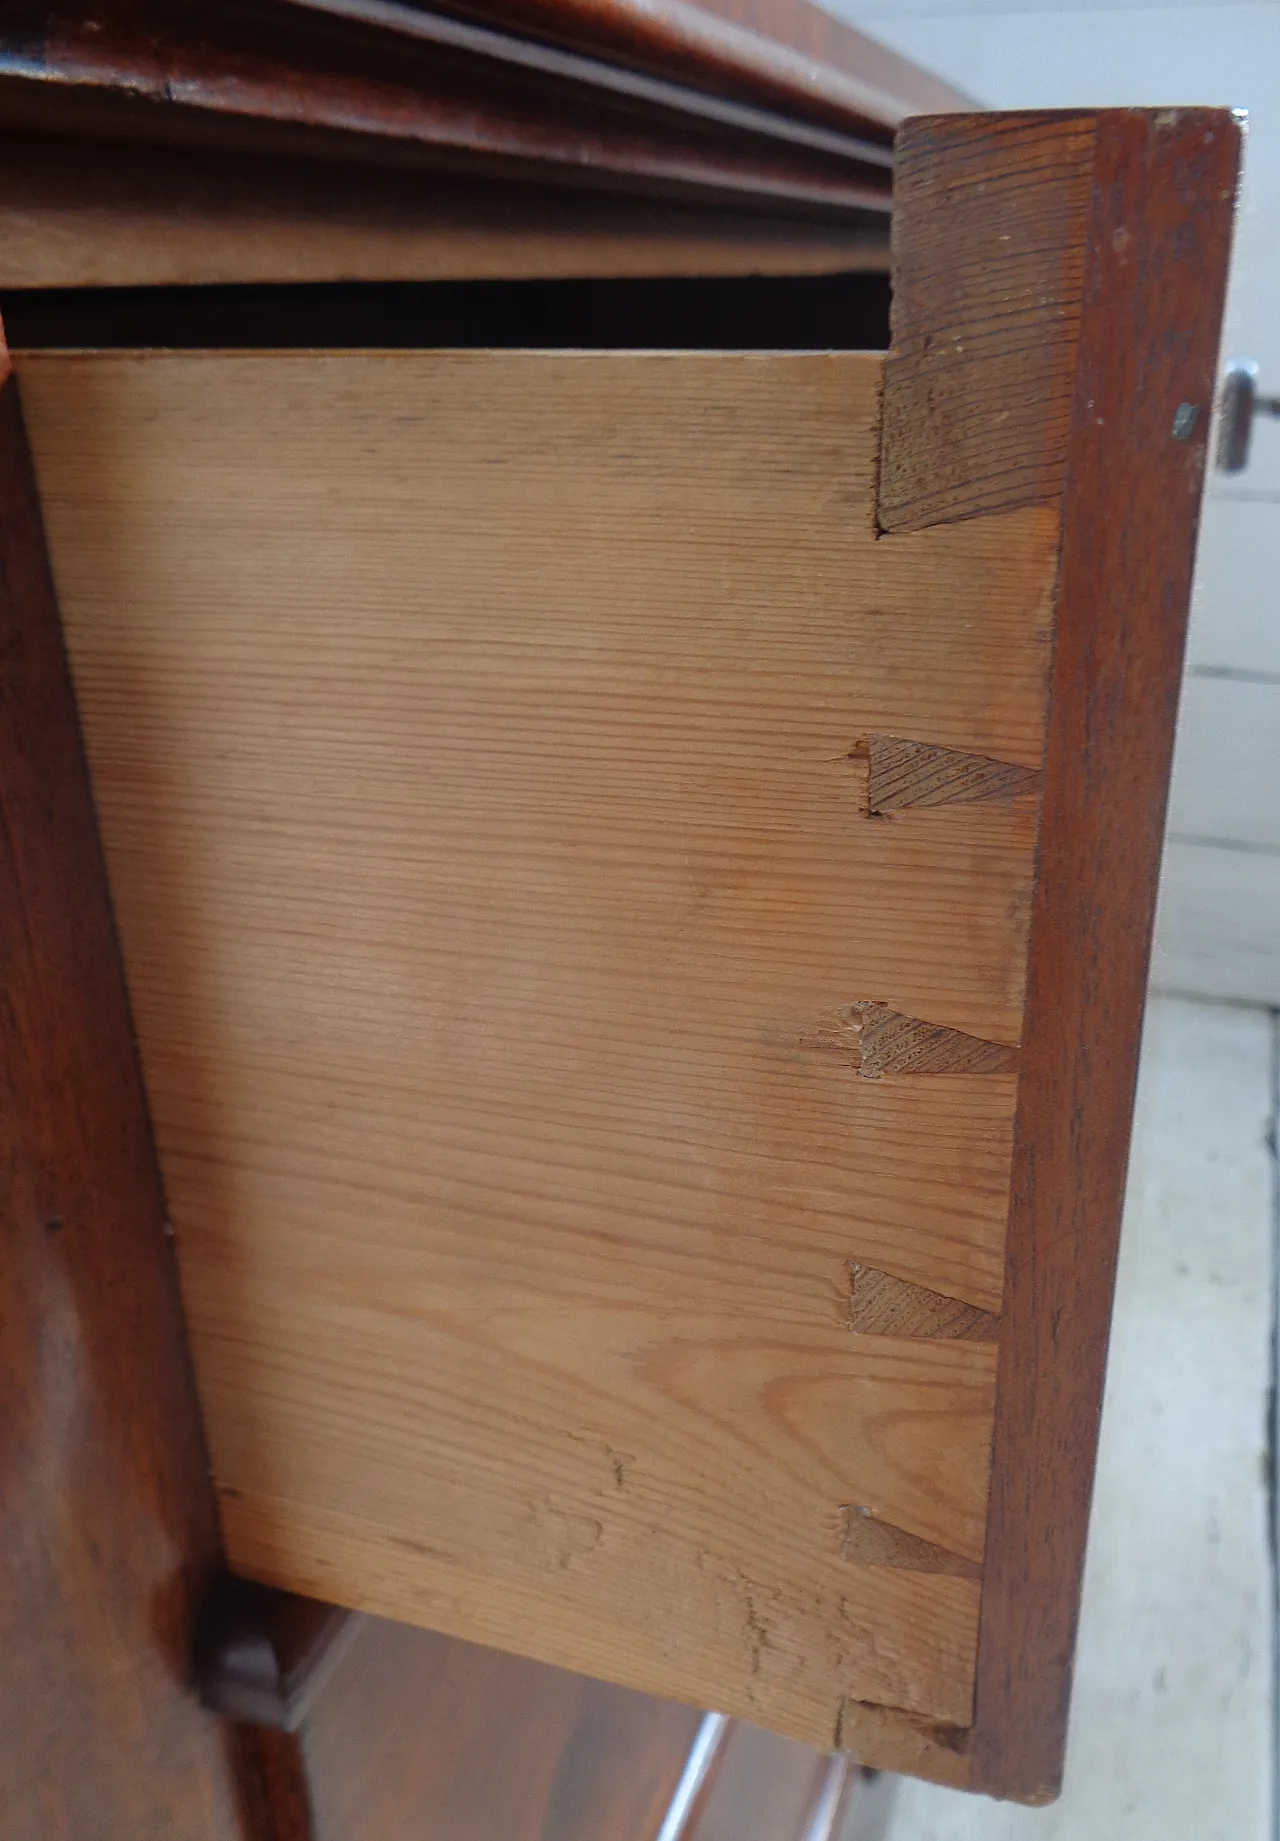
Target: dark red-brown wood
1076,265
1162,194
784,54
364,1728
282,1769
415,1735
108,1529
683,102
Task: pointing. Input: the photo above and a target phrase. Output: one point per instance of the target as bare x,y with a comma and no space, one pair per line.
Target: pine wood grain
416,1737
471,737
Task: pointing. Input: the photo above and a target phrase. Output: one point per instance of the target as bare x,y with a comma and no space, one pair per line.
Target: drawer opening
846,312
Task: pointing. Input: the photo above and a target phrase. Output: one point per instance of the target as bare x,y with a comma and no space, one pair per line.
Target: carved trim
731,117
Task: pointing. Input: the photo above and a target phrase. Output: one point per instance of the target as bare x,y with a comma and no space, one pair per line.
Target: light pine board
475,744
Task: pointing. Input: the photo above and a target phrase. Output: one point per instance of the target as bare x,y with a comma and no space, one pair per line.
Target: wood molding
697,106
108,1529
84,213
789,56
792,56
902,774
1162,203
1078,265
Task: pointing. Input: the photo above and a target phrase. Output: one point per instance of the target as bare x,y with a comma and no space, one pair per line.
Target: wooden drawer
634,873
517,934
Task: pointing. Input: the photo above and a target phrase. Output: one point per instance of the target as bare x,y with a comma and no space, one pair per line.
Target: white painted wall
1219,928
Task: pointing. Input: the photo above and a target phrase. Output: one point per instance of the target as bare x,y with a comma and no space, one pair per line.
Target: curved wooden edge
398,85
261,1655
1074,266
784,53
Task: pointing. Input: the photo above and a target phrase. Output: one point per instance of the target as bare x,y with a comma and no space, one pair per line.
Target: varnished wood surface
747,118
83,213
402,1733
496,881
1162,187
786,53
108,1526
417,1735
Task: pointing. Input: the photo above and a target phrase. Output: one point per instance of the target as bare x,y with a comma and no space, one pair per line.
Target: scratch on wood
904,773
881,1305
872,1542
887,1042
